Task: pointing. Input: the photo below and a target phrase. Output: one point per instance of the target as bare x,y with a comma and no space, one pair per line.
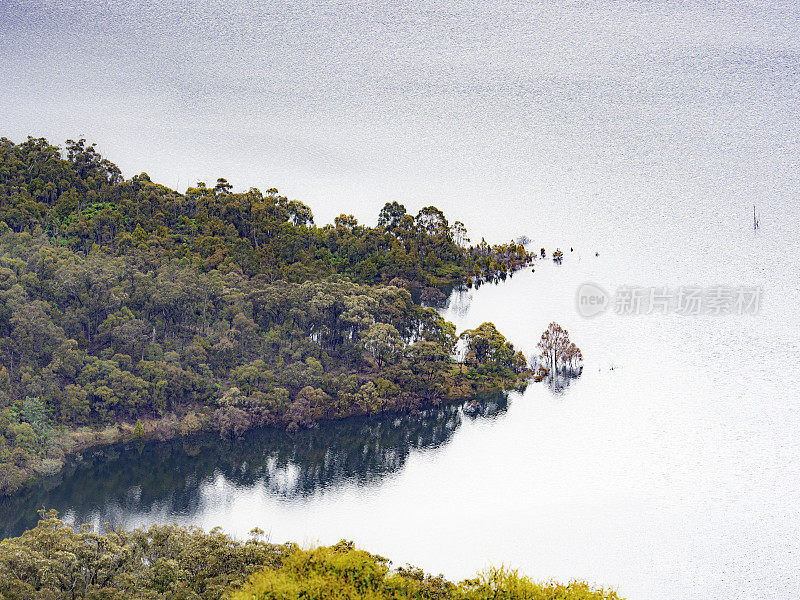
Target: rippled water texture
643,131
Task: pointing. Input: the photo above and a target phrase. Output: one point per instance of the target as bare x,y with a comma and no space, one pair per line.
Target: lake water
668,469
644,131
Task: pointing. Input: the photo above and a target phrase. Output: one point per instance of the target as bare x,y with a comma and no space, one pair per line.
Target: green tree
487,347
383,342
391,215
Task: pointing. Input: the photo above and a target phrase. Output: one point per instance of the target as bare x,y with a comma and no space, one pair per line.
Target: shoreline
174,424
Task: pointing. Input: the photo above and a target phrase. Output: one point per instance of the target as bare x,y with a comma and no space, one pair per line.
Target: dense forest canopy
123,301
79,201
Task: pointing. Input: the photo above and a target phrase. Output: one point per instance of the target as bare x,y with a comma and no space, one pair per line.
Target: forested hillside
81,202
127,308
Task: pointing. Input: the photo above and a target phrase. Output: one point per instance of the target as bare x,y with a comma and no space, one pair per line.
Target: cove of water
668,469
644,131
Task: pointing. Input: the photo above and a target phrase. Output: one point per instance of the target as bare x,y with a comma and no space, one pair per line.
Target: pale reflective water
644,131
669,469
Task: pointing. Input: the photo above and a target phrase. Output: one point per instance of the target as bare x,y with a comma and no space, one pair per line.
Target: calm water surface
644,131
669,469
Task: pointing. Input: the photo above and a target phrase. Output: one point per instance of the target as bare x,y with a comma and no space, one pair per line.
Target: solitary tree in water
558,353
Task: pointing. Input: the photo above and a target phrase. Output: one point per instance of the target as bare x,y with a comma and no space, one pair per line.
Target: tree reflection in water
167,477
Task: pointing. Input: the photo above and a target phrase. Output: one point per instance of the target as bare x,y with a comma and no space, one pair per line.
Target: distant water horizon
572,123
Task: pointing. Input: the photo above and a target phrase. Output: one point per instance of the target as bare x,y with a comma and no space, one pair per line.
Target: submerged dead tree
558,354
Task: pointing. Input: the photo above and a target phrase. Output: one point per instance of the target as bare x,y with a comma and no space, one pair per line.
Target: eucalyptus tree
487,348
383,342
558,353
390,216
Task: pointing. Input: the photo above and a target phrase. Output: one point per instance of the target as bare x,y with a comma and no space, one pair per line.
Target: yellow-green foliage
497,584
341,572
169,562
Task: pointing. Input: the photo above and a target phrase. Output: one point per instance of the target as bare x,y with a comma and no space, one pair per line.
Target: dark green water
107,484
